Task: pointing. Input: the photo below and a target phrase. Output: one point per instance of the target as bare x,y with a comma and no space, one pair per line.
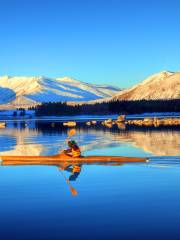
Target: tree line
112,107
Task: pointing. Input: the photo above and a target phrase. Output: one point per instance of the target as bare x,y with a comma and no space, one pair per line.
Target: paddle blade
71,132
73,191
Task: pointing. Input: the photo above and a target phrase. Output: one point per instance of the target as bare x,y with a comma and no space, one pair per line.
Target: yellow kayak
61,158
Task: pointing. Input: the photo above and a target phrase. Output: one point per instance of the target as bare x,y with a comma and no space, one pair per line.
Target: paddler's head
72,143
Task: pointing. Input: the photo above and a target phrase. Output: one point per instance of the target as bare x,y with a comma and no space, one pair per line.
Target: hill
29,91
163,85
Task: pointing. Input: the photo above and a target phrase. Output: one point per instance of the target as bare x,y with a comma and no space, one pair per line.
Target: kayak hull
60,159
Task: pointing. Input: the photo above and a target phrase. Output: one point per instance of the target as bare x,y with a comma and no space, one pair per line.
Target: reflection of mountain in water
15,142
161,143
26,141
7,142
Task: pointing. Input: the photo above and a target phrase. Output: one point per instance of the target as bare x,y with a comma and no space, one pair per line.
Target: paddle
71,133
73,190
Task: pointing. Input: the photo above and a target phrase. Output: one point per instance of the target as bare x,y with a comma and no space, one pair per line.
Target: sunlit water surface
131,201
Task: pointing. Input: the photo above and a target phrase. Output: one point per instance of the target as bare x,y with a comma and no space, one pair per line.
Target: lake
129,201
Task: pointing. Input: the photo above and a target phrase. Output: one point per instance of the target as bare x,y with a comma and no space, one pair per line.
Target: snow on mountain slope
24,91
163,85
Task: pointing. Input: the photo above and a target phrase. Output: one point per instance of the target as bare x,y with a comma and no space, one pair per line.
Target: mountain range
30,91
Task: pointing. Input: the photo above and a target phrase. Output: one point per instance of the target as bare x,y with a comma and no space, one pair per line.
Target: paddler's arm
65,167
65,151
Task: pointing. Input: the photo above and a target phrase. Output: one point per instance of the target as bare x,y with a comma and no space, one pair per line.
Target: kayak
61,158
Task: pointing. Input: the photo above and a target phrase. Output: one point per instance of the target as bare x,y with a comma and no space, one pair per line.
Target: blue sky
111,42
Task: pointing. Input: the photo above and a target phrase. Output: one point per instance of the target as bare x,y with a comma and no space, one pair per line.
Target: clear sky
98,41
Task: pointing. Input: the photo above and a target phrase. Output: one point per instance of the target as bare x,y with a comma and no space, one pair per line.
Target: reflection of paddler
74,170
73,151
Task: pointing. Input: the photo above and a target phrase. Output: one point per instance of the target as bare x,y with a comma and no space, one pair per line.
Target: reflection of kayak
60,159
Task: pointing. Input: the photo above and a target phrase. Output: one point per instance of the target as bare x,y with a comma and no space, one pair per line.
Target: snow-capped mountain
163,85
29,91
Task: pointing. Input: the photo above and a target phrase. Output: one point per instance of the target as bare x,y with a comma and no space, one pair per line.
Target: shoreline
81,118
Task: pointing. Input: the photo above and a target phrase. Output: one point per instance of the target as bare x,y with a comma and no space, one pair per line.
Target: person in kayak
73,150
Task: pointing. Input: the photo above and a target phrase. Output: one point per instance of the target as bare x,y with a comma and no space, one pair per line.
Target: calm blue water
131,201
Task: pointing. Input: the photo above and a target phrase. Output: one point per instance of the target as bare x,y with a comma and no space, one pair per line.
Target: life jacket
76,152
76,169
